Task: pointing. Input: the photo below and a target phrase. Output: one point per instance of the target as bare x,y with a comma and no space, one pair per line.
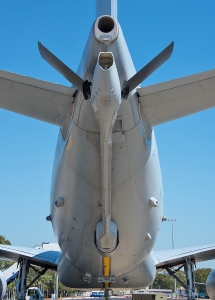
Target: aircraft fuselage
78,179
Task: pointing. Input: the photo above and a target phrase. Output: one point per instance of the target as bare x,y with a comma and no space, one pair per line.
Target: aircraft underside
133,184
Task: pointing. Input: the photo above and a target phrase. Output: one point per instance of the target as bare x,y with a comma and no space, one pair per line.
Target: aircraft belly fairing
141,275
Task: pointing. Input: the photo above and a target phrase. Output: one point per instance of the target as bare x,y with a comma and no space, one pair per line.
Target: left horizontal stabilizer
35,98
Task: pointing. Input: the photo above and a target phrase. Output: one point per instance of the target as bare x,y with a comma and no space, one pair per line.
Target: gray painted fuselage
135,178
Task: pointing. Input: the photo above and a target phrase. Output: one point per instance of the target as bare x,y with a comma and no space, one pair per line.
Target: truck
34,293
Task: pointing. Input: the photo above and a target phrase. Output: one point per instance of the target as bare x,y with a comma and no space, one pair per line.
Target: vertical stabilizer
106,7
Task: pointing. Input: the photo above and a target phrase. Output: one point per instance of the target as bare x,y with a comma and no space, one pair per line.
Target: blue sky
186,146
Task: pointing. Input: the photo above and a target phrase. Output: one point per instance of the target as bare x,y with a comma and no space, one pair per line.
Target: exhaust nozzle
106,29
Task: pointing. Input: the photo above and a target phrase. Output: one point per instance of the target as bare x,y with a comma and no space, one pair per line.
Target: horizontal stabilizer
140,76
177,98
35,98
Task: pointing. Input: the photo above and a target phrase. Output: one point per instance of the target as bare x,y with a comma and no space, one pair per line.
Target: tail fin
106,7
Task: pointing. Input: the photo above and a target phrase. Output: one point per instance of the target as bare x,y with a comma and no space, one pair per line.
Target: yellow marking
106,269
106,284
106,266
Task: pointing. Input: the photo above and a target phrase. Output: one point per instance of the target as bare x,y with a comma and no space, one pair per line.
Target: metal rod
38,276
173,247
56,286
175,277
22,283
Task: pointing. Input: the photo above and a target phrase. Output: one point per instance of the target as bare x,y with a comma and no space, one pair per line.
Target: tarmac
120,297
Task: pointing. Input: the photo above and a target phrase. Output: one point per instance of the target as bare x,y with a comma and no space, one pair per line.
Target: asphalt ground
120,297
111,298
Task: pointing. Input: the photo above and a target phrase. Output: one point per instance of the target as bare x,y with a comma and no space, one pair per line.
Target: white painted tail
106,7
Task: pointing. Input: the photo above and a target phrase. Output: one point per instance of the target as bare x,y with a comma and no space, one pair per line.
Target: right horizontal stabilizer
177,98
